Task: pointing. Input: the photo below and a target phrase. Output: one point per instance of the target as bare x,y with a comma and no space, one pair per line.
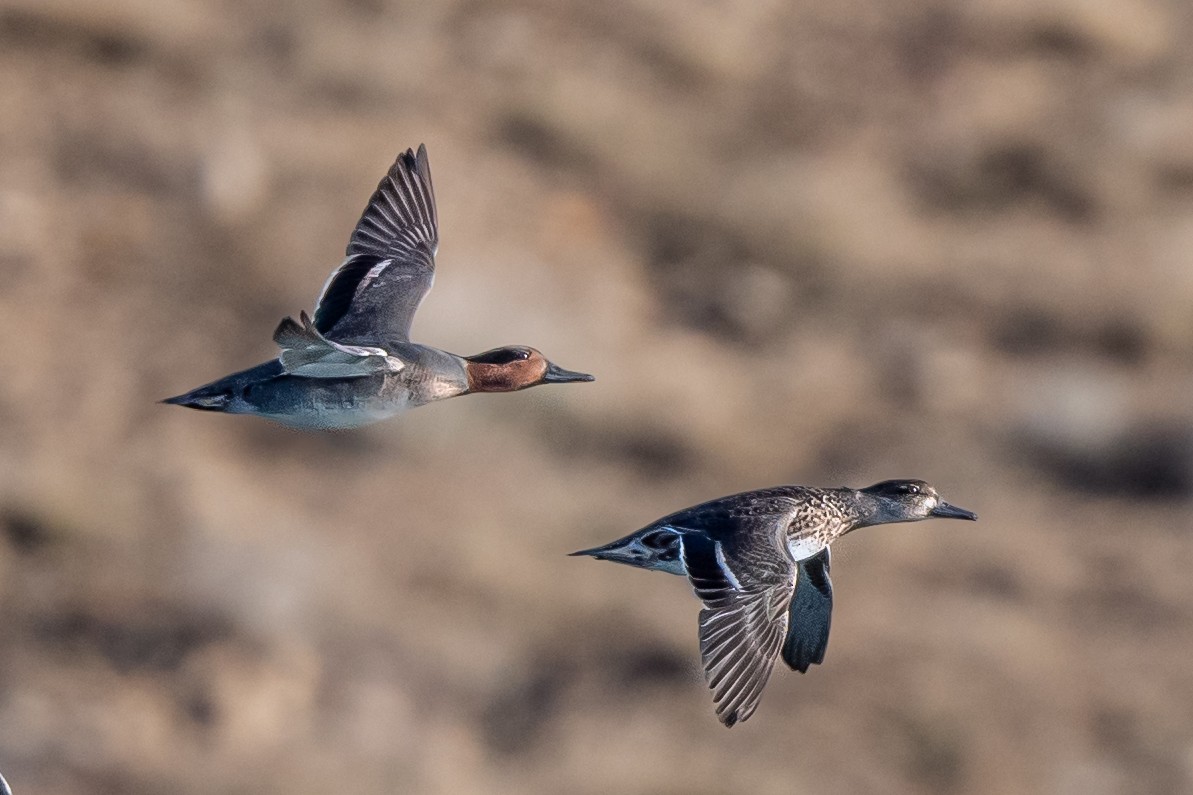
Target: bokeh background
812,241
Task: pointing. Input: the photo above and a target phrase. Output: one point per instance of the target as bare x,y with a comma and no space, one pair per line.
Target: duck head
907,501
515,367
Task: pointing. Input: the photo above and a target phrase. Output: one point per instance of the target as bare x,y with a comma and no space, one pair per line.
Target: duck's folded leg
307,353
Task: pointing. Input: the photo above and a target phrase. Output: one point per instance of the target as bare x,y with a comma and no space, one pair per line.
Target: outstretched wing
308,353
746,586
810,615
373,295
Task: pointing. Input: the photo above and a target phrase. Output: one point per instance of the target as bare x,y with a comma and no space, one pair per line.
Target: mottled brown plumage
759,562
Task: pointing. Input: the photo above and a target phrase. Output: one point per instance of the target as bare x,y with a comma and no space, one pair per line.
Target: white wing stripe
306,352
725,567
373,273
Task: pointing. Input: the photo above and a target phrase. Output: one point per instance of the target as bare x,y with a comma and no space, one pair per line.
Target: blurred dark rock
1126,604
1060,40
982,577
646,665
534,139
929,42
92,157
1000,176
651,451
25,532
1148,461
716,280
1037,332
997,581
519,714
932,751
1121,736
154,640
106,47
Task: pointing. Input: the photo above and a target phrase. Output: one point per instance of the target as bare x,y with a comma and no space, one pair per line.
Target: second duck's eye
660,540
909,488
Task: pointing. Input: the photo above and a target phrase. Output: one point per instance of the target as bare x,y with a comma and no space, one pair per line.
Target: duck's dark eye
660,540
909,488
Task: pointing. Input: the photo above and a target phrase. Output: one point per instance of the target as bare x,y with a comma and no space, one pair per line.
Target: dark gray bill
602,552
946,511
557,375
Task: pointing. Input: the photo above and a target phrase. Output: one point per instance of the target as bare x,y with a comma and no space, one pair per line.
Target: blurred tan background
821,241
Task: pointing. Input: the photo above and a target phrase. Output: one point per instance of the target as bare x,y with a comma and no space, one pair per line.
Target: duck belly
328,419
806,547
322,403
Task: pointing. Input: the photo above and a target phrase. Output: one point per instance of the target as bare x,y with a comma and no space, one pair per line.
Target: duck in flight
353,363
759,561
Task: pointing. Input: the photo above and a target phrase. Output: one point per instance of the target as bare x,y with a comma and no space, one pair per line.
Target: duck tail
205,398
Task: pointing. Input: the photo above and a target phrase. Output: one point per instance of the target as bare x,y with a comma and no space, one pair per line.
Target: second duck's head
908,501
515,367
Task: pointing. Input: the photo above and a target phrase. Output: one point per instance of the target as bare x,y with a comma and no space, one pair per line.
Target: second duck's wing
374,294
810,615
746,587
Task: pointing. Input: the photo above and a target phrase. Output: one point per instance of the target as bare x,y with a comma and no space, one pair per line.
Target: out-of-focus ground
817,242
